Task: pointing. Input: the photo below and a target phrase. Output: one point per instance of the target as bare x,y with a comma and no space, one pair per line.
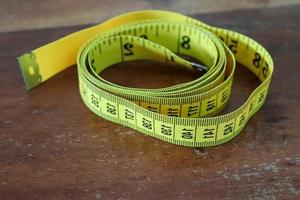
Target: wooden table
53,147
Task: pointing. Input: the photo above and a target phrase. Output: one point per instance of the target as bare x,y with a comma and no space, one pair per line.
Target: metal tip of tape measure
201,68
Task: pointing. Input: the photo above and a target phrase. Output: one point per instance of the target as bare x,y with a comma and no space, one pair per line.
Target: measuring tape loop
182,114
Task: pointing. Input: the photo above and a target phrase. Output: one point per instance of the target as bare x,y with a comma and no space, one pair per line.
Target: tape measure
182,114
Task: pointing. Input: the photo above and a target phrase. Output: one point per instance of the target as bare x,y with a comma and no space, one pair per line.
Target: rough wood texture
53,147
16,15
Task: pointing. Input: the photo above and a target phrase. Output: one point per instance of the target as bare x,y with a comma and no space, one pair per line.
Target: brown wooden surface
53,147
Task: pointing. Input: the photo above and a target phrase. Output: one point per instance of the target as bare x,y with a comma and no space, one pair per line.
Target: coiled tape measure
182,114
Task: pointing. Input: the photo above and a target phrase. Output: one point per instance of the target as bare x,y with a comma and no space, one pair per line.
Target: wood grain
53,147
16,15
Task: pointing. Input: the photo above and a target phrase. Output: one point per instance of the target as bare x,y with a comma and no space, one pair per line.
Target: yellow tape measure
178,114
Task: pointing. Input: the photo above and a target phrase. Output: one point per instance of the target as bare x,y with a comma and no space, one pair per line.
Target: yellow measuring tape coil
181,114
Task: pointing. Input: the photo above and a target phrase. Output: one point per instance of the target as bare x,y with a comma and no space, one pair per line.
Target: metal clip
201,68
30,70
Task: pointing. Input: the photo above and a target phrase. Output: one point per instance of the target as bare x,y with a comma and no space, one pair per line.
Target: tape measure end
30,70
201,68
